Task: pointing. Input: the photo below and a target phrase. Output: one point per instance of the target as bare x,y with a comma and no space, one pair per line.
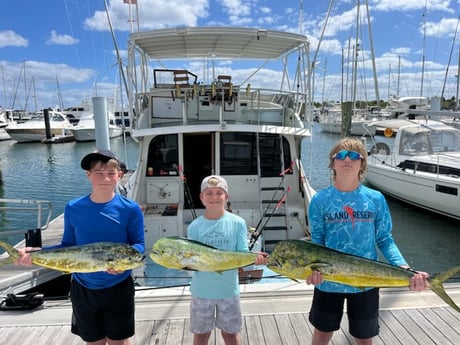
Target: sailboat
350,120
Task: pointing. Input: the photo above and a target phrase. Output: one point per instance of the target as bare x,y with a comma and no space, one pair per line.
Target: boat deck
274,313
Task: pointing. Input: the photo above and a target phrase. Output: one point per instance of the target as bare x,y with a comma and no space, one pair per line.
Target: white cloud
406,5
61,39
155,14
445,27
236,8
12,39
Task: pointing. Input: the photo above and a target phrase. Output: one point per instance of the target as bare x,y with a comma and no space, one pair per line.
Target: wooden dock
273,313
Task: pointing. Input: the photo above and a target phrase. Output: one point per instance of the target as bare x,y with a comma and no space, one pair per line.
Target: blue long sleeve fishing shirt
119,220
354,222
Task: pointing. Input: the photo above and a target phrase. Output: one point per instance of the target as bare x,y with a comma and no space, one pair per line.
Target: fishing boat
85,129
422,168
35,129
359,126
190,126
6,118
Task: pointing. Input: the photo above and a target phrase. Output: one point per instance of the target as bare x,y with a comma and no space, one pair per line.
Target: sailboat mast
374,69
458,80
355,56
423,51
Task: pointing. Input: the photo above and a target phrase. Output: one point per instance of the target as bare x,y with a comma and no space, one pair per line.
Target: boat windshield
416,141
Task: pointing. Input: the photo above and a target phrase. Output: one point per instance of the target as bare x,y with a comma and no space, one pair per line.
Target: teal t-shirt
356,222
229,232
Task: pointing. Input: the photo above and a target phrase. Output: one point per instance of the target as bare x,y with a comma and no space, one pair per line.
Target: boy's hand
24,258
419,281
315,278
261,259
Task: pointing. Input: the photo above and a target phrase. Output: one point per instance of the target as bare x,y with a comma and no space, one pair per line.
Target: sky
61,52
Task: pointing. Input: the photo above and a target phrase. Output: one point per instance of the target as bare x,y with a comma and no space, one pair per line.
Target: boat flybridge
189,127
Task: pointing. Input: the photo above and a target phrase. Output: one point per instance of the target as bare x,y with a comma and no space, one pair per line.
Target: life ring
380,148
388,132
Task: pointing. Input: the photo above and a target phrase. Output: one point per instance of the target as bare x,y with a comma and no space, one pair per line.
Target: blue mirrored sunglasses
353,155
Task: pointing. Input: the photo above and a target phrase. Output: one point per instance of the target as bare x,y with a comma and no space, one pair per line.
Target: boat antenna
119,60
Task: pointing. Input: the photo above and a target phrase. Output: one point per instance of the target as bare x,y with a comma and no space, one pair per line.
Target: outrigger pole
256,234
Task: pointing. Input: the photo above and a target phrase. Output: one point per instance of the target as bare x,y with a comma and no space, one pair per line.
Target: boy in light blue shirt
215,296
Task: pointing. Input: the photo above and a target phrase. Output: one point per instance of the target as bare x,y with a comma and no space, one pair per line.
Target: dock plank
286,330
270,330
254,330
435,327
407,327
273,315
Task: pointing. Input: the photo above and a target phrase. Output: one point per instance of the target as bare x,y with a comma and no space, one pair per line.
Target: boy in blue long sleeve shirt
354,219
102,302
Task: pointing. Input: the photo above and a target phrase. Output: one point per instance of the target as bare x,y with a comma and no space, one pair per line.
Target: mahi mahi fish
297,259
94,257
182,253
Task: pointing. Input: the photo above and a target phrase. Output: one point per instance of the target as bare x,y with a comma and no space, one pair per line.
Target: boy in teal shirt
215,296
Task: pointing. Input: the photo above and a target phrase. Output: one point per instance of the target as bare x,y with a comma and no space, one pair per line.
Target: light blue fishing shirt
354,222
229,232
119,220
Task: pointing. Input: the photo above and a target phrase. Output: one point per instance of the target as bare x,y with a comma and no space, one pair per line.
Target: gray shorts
225,314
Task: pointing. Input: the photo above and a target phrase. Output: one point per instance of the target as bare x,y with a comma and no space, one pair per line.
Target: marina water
52,172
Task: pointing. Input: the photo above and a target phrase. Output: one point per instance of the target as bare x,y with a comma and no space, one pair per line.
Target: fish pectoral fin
189,269
317,266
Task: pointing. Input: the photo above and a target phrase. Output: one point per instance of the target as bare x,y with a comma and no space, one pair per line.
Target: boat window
163,156
445,141
415,143
239,154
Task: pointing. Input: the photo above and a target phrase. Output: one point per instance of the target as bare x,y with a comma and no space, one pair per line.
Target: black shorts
98,314
362,309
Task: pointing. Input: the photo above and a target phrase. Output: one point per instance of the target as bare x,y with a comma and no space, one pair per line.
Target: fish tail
13,252
436,281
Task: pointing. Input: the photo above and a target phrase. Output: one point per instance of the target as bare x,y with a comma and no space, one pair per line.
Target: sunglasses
353,155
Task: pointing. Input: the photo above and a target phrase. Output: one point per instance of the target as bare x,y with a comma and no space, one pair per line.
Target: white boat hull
34,130
422,168
418,188
89,134
357,128
25,135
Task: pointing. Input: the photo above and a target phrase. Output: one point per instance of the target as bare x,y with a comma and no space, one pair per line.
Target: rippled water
35,171
52,172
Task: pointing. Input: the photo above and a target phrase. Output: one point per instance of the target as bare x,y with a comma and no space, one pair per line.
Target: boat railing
219,103
42,210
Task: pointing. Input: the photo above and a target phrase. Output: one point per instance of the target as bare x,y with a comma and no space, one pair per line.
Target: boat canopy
217,43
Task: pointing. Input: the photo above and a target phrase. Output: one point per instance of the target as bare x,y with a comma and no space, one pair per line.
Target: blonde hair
351,144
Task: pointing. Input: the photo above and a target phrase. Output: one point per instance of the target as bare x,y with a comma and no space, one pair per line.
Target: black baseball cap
98,155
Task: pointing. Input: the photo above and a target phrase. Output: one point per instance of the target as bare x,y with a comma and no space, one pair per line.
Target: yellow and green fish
297,259
94,257
182,253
